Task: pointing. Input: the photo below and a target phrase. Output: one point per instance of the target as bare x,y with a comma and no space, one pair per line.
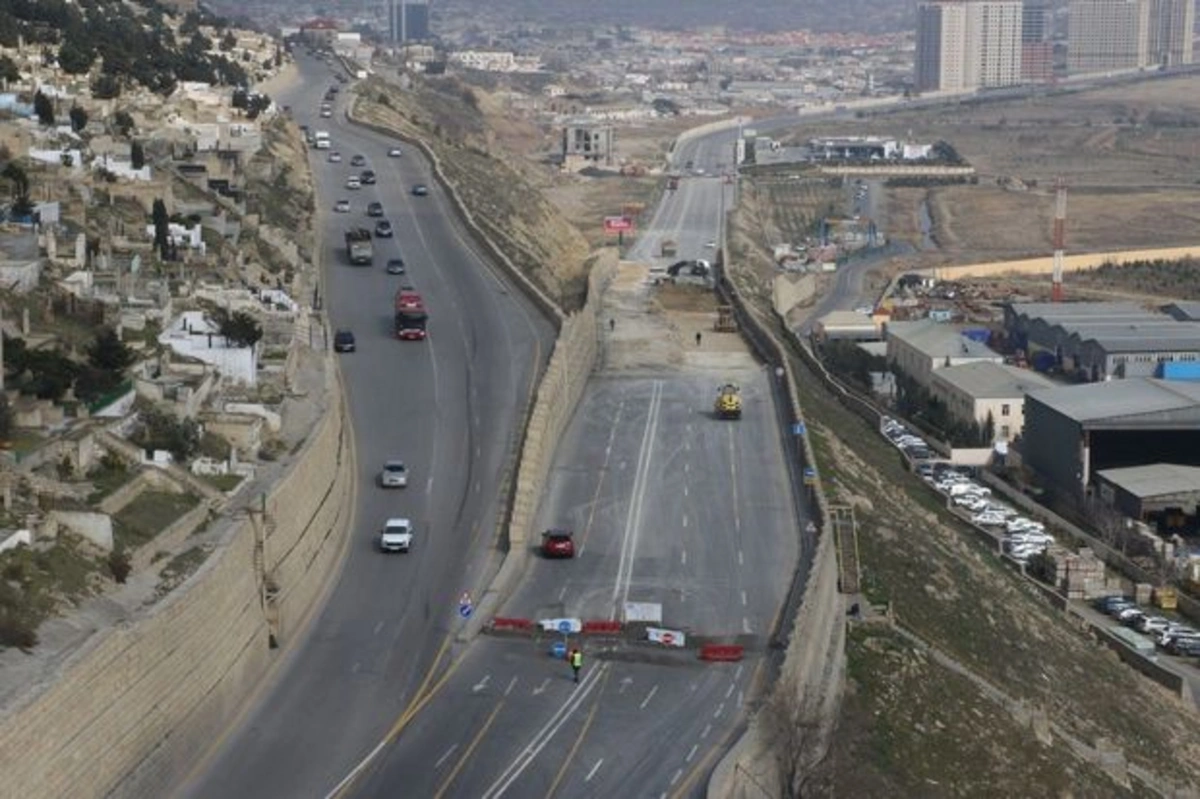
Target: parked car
1105,602
558,544
1185,647
987,519
1151,624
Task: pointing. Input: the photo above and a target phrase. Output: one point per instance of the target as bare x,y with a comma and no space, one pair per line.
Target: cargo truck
411,317
358,247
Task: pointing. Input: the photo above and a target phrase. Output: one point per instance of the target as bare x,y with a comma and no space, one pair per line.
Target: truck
321,140
358,246
411,317
668,248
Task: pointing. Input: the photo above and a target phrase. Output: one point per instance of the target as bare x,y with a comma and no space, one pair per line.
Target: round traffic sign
667,638
464,611
558,649
564,626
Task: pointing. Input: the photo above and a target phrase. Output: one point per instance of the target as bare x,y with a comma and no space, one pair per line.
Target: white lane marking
625,683
479,686
511,684
687,445
478,451
546,733
706,731
737,519
738,673
675,777
685,489
592,773
633,519
685,520
729,690
649,696
354,669
562,593
741,699
378,627
743,599
540,689
445,757
429,486
741,560
687,467
683,557
720,709
745,626
476,486
691,753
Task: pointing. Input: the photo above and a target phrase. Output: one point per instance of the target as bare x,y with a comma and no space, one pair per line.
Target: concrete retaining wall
136,705
1071,263
558,395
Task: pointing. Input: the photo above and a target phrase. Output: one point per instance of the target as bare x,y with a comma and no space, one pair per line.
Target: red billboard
617,224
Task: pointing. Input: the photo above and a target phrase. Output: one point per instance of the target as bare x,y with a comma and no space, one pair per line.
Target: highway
449,407
669,506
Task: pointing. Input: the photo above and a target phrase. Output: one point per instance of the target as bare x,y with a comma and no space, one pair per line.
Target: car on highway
367,177
342,207
558,544
358,160
383,229
374,209
343,340
353,182
394,474
326,113
420,190
395,266
395,152
335,157
396,536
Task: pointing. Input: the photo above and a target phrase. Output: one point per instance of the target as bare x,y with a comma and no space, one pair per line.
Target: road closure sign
564,626
617,224
665,637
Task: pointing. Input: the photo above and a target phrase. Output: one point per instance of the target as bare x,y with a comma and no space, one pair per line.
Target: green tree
109,353
228,42
75,57
43,106
79,118
124,125
8,69
6,418
239,328
137,155
162,230
160,430
51,373
106,87
989,430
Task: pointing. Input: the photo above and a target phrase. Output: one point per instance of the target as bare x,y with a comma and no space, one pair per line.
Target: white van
321,140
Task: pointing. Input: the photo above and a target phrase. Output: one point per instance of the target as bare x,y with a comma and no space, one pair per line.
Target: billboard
617,224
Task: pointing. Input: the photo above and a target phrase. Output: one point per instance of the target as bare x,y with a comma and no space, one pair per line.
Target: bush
180,437
119,565
16,631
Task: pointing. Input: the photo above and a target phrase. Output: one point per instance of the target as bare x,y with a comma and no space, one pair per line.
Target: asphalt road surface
448,406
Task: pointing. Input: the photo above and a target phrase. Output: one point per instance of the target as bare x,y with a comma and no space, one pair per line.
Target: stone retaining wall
134,707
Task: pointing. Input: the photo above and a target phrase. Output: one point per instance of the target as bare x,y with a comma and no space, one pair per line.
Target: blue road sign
798,429
558,649
564,627
464,611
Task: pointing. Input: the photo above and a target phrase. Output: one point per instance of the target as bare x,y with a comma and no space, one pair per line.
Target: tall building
408,21
1106,35
1037,47
968,44
1170,31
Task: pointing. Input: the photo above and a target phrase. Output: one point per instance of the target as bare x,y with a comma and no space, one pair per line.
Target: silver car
394,475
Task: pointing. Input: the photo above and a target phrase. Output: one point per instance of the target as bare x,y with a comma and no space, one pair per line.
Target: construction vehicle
728,404
725,323
697,272
668,248
358,247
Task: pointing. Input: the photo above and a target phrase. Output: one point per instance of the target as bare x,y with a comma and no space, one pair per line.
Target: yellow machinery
729,402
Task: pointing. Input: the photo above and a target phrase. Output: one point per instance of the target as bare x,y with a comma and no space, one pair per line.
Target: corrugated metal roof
1055,312
986,380
938,340
1120,398
1184,310
1154,479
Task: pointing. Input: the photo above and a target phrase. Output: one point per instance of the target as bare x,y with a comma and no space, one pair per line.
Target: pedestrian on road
697,338
576,661
612,324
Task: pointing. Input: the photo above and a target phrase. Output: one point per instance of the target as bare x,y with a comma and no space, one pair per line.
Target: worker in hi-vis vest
576,661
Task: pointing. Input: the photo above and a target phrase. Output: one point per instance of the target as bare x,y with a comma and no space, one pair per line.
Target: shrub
119,565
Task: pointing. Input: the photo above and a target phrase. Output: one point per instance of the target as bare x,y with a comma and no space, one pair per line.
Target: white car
353,182
335,158
342,207
396,536
1152,624
394,152
1023,525
987,519
394,474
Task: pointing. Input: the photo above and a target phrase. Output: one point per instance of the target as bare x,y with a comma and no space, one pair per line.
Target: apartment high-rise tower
1170,32
1037,48
1106,35
968,44
408,21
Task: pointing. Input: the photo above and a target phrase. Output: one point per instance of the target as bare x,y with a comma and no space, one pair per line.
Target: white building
968,44
973,391
920,348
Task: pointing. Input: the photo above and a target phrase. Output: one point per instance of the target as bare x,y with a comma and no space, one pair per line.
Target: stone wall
134,707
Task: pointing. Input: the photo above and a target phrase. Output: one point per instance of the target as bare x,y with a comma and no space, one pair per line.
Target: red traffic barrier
500,623
602,627
721,652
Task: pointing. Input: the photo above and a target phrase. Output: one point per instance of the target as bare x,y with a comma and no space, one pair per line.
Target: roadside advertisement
617,224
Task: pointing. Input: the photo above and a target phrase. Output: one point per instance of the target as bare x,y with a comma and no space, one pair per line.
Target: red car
558,544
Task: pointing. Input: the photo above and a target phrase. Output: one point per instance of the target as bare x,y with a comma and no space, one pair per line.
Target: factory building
920,348
1073,432
974,391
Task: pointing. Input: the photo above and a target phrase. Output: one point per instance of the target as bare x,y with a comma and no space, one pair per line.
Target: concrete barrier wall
558,395
1071,263
135,707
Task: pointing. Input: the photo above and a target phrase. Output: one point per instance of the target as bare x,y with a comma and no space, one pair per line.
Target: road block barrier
501,623
602,627
721,652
